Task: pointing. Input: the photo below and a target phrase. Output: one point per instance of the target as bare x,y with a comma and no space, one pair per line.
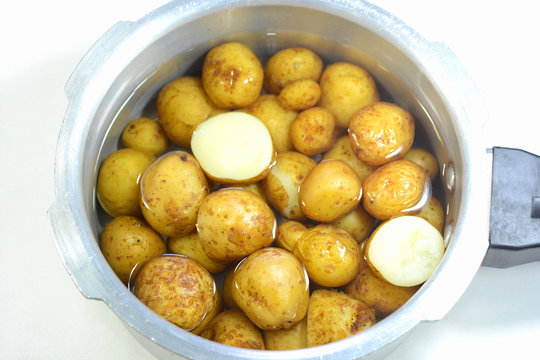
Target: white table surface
43,316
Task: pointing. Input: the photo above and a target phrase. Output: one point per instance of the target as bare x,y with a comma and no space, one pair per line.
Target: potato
272,288
400,187
330,191
227,289
233,223
117,186
345,89
145,134
405,250
127,241
383,297
381,132
334,316
313,131
300,94
358,223
233,328
177,289
172,190
277,119
283,181
288,65
182,104
433,212
232,76
342,150
218,308
330,255
288,234
233,147
189,245
292,338
425,159
255,188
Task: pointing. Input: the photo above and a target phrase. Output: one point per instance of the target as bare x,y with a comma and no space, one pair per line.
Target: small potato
433,212
398,188
381,132
358,223
233,148
330,255
232,76
118,181
345,89
189,245
283,181
330,191
232,327
233,223
172,190
405,250
255,188
181,105
218,308
272,288
288,234
342,150
277,119
291,64
425,159
334,316
300,94
227,289
383,297
146,135
313,131
177,289
292,338
127,241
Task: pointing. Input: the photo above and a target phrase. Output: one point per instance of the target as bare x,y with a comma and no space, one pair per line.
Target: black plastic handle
514,233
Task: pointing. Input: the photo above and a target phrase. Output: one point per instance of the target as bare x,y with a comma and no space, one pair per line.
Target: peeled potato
232,327
398,188
381,132
334,316
178,289
294,337
405,250
272,288
425,159
233,147
146,135
330,191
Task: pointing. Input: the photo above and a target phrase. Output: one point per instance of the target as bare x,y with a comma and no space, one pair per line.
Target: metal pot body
120,76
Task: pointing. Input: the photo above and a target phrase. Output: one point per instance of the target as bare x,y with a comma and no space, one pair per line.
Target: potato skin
145,134
117,186
433,213
277,119
330,255
381,132
176,288
292,338
384,298
172,190
288,234
345,89
127,241
232,327
182,104
300,94
272,288
233,223
282,182
334,316
394,189
232,75
313,131
425,159
290,64
358,223
342,150
189,245
330,191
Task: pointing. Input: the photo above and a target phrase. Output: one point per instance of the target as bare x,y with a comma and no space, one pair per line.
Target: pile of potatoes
276,207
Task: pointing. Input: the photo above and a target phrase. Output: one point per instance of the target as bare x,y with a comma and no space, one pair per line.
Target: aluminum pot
119,78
